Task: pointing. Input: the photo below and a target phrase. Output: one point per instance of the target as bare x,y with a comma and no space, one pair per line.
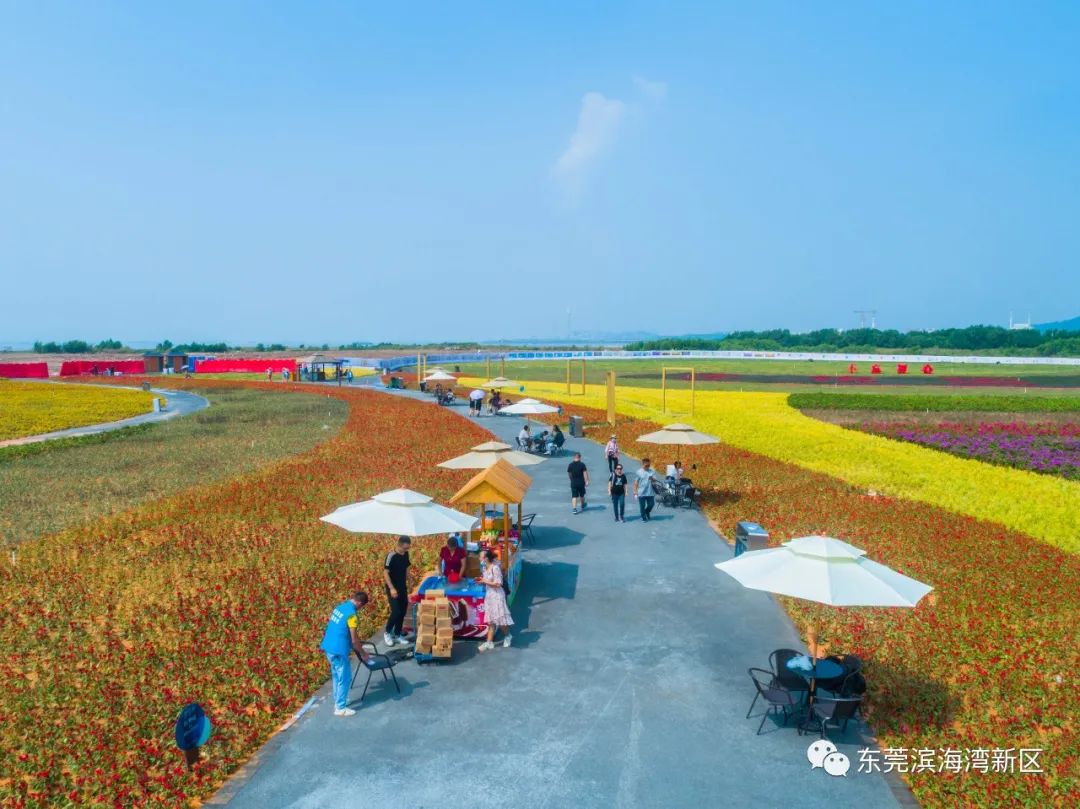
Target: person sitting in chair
525,438
557,437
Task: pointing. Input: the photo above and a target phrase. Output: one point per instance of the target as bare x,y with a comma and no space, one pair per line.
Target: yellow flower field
1043,507
30,408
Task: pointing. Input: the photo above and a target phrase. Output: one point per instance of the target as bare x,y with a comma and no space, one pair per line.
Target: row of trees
991,339
78,347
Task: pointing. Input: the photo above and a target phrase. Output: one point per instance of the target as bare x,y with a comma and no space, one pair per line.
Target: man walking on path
395,575
617,489
338,642
612,453
579,481
645,489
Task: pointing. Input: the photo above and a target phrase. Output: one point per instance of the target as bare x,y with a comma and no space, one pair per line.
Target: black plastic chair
525,528
827,710
779,699
379,662
785,677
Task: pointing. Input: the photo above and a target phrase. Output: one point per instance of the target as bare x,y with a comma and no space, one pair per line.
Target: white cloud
598,122
653,90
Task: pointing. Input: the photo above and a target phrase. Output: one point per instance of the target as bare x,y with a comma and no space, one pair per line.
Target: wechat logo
823,754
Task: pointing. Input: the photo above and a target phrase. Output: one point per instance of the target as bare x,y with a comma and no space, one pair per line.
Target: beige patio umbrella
500,382
528,407
678,434
484,455
440,376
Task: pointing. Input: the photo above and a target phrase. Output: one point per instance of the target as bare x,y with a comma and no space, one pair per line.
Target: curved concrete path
178,403
626,687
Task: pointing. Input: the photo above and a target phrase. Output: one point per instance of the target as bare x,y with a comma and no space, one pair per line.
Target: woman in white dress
495,609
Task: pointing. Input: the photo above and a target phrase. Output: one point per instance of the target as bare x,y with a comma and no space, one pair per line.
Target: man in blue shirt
338,642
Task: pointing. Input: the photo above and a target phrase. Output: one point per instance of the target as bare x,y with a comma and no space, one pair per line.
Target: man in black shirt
579,480
395,575
617,489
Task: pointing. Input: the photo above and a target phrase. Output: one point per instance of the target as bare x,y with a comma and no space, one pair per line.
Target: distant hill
1060,325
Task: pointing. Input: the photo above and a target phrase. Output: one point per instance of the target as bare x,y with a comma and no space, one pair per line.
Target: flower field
1052,449
218,594
31,408
935,404
1044,507
988,660
51,485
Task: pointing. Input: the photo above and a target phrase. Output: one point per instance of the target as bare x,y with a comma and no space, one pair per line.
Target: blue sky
315,172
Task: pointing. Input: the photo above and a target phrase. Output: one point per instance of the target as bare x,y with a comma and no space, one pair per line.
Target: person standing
452,556
612,453
395,580
645,483
339,641
617,489
476,401
496,611
579,482
269,374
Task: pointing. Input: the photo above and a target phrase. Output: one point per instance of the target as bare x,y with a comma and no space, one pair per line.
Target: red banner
24,370
242,366
79,367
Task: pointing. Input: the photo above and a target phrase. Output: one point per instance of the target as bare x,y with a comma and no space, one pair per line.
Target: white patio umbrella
499,382
681,434
826,570
402,512
484,455
528,407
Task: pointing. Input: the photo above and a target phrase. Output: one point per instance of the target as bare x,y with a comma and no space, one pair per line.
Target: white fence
395,363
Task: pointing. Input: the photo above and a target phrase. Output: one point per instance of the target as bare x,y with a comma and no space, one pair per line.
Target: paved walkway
178,403
626,687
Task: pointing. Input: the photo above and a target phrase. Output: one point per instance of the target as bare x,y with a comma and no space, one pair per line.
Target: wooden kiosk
501,484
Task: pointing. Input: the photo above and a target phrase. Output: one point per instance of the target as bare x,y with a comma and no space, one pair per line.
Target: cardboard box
441,651
435,594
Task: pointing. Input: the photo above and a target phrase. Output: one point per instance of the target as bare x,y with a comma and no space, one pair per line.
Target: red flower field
987,660
217,595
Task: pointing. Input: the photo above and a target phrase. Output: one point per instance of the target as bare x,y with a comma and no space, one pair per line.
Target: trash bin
423,387
577,427
395,381
749,536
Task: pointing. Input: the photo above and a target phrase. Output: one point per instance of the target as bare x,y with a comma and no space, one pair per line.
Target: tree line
988,339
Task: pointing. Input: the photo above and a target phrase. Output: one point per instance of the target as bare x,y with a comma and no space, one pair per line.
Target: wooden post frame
502,367
663,384
611,398
568,364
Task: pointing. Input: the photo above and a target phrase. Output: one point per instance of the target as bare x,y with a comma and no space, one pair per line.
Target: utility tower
865,314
